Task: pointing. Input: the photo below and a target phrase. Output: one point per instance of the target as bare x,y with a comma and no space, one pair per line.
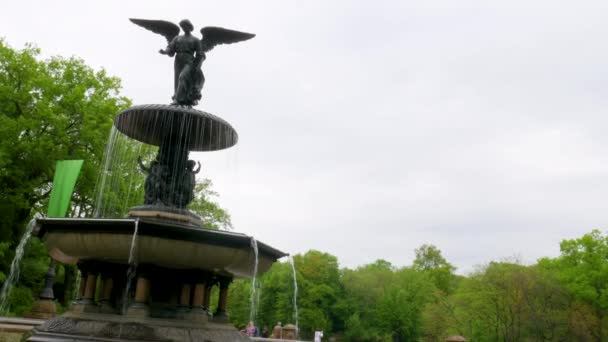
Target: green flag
66,173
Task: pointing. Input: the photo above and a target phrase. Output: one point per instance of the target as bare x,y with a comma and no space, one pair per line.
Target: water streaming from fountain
120,182
103,175
295,292
131,270
258,295
13,275
253,298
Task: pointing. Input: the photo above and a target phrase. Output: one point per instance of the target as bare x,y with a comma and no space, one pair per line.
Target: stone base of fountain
100,327
42,309
169,214
164,295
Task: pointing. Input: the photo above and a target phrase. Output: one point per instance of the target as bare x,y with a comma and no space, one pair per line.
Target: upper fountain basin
175,246
156,123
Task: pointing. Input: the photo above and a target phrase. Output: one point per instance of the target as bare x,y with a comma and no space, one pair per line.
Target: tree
582,268
49,110
506,301
399,310
320,288
363,289
214,216
429,259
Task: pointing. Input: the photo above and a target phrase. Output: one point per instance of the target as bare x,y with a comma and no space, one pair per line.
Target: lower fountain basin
160,243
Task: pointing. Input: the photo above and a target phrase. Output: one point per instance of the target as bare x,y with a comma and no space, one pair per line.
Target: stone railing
13,328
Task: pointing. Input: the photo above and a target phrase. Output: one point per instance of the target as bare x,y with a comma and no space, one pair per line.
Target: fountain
149,276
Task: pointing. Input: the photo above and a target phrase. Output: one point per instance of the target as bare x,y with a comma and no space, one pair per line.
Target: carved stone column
207,295
198,311
184,298
88,285
142,290
140,309
221,315
199,296
83,284
107,289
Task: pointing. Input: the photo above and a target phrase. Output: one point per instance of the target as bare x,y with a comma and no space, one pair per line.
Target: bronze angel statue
189,52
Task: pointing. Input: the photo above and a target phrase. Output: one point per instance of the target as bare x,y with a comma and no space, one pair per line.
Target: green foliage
429,260
239,292
364,287
400,308
49,110
319,284
582,268
120,182
4,250
204,204
276,299
20,300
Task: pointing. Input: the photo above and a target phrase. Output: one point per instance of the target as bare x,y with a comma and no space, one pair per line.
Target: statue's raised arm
189,52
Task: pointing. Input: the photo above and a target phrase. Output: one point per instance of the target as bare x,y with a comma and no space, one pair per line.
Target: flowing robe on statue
188,77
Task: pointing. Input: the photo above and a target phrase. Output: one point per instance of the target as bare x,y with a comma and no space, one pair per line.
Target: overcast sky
369,128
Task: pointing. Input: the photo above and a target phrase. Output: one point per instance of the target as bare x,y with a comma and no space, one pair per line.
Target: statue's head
190,165
186,25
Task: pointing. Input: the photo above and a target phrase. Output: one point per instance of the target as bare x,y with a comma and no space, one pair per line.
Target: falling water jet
295,292
103,175
131,270
13,275
253,308
259,292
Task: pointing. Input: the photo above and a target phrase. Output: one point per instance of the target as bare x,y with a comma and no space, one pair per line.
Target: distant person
265,332
250,329
318,335
277,331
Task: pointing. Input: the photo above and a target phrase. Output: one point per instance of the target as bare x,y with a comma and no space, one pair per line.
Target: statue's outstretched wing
167,29
213,36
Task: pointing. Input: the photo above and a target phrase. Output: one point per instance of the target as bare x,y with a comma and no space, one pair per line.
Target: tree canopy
50,110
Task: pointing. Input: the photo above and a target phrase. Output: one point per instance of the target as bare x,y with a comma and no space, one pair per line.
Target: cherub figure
185,194
152,184
189,52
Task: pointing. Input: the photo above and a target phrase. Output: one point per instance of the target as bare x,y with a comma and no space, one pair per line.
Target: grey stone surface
96,328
